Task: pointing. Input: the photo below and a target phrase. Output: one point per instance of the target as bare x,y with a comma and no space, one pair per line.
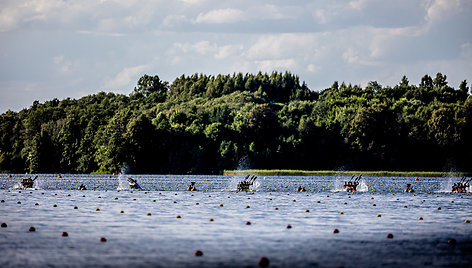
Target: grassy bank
289,172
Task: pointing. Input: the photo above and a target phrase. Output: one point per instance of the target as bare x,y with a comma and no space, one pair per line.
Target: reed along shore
291,172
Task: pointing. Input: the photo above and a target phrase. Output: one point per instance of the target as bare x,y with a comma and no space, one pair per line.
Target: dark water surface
162,239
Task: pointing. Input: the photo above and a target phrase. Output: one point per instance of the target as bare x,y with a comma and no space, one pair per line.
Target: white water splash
362,187
123,183
446,186
338,186
244,163
235,180
255,186
19,186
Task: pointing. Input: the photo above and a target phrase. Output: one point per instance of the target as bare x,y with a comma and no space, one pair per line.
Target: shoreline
290,172
285,172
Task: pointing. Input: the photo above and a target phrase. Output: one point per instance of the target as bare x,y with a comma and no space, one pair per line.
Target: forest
204,124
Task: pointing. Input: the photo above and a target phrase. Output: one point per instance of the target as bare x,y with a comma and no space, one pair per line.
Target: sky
60,49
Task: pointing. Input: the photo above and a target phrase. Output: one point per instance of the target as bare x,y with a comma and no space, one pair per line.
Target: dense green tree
111,144
152,86
442,127
206,123
70,138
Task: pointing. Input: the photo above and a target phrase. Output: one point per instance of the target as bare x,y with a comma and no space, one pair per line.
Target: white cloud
228,51
204,48
279,45
201,47
269,12
228,15
351,55
9,19
313,68
272,65
252,13
439,9
99,33
358,4
320,15
13,13
192,2
62,66
321,41
125,78
174,20
88,15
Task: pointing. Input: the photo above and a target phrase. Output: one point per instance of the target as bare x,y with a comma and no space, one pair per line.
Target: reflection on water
163,224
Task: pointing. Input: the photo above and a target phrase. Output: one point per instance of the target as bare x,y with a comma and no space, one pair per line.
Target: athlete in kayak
409,189
28,183
301,189
462,186
133,184
246,183
351,186
191,187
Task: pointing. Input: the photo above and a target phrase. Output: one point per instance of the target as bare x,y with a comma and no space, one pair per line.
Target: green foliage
152,86
205,124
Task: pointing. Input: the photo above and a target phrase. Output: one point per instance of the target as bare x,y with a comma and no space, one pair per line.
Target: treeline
205,124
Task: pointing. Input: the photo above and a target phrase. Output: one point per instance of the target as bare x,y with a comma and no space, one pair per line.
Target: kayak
244,190
134,186
27,188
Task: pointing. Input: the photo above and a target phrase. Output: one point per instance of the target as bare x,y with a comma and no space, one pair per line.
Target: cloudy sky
59,48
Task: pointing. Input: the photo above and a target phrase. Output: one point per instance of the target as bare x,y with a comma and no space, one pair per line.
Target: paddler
191,187
301,189
28,183
133,184
408,189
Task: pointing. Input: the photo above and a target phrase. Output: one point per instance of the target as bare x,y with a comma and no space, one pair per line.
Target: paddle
358,178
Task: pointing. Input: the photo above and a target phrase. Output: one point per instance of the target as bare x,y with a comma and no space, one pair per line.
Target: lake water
180,223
